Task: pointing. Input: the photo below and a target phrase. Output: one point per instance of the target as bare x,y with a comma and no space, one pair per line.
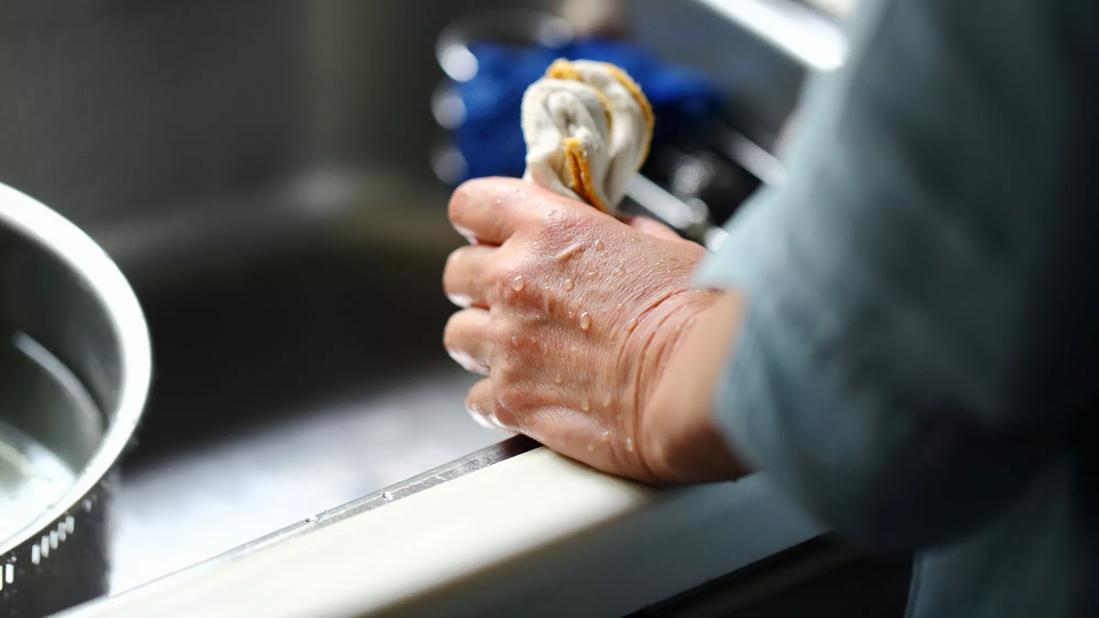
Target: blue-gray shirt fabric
920,357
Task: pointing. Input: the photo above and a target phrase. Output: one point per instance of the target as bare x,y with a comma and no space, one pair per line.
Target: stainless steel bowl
74,374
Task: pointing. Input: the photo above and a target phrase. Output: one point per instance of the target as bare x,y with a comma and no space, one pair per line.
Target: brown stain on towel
576,160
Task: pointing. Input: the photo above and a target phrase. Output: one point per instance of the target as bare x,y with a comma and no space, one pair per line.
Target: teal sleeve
922,324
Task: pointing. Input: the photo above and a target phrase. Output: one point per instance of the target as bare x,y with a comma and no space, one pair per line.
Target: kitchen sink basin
260,174
293,374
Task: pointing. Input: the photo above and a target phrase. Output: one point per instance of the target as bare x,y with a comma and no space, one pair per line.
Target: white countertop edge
536,534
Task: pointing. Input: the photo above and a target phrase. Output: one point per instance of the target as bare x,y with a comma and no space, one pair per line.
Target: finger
652,227
490,209
466,340
481,405
464,275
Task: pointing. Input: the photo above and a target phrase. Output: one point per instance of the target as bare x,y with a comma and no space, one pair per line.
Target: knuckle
505,278
450,269
561,228
461,328
459,199
505,335
479,396
450,331
507,372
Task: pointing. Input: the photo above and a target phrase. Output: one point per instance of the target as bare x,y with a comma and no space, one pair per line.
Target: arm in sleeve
921,293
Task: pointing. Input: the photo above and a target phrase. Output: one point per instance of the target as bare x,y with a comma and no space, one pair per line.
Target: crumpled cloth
587,126
489,136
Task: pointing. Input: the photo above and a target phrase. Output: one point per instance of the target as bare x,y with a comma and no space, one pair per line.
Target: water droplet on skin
629,445
569,251
517,283
571,314
607,401
591,448
598,245
631,324
556,379
514,190
514,340
498,201
605,436
620,305
619,271
585,321
568,284
534,340
585,405
591,273
572,348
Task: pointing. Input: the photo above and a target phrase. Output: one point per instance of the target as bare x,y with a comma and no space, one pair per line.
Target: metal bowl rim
57,236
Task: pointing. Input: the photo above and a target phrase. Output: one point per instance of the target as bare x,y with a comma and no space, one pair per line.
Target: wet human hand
572,317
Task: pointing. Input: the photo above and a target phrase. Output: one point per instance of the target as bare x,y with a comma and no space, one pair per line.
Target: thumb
652,227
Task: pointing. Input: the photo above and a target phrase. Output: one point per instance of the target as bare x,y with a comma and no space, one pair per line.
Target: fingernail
460,300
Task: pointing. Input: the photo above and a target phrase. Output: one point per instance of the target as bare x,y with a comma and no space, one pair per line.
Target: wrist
680,439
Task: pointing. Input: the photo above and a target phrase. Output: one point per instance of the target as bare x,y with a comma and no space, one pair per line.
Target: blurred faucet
594,17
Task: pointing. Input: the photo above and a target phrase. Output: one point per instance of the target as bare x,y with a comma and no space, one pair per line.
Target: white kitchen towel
587,126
